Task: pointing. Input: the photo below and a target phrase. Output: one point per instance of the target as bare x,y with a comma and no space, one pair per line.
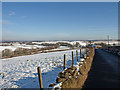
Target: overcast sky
59,21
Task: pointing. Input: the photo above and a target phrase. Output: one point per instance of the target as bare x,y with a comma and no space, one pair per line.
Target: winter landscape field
56,44
21,72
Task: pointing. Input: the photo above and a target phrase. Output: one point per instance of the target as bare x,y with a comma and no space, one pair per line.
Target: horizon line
65,40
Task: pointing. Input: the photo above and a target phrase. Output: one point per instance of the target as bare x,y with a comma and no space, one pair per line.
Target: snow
16,45
82,43
7,47
106,42
21,71
63,47
44,42
58,85
82,59
20,46
60,48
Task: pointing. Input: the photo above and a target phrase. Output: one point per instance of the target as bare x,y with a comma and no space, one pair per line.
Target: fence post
80,52
85,56
72,59
77,54
64,61
40,78
86,50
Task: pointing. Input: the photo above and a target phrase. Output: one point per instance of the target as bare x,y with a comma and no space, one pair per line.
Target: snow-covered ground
20,46
7,47
21,71
60,48
15,45
82,43
106,42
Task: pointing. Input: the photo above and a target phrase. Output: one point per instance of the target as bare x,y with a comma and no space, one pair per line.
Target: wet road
105,71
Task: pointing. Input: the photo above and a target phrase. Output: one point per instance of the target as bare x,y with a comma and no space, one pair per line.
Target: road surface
104,71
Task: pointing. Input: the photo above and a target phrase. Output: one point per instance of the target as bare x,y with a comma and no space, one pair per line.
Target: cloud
12,13
6,22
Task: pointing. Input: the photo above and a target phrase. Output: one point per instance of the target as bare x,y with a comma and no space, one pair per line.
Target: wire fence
27,67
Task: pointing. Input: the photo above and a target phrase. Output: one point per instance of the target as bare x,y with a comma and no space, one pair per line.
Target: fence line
72,59
39,69
40,78
64,61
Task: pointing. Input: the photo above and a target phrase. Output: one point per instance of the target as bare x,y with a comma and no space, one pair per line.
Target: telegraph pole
108,41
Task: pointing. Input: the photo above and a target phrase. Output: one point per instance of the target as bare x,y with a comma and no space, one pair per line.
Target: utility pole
108,41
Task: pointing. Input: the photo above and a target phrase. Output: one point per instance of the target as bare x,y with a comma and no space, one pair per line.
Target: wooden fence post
80,52
85,56
77,54
64,61
86,50
40,78
72,59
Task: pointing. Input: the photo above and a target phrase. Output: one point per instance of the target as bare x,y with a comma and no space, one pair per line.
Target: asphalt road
105,71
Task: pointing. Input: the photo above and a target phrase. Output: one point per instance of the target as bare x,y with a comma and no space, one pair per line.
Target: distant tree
7,53
18,52
77,44
90,42
114,44
26,51
65,44
103,44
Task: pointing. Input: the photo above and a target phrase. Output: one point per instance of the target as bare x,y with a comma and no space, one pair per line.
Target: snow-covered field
20,46
21,71
106,42
82,43
59,48
38,44
16,45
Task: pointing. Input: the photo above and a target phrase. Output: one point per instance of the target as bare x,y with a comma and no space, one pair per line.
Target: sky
59,20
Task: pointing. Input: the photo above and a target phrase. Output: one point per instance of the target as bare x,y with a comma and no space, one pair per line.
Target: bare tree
7,53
